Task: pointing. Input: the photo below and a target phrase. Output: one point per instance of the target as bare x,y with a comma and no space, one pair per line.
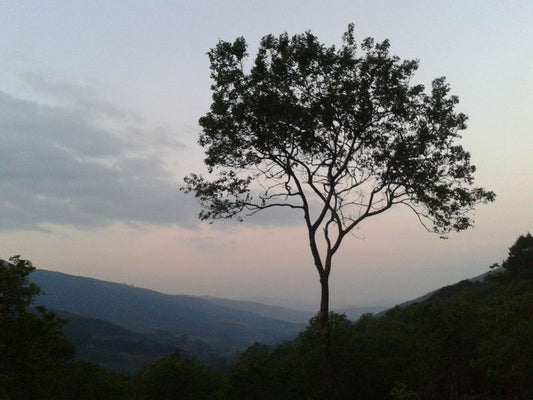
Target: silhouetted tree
86,381
175,378
520,260
33,351
339,135
16,292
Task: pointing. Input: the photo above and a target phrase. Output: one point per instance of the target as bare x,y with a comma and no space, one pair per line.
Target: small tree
520,260
34,353
16,292
338,135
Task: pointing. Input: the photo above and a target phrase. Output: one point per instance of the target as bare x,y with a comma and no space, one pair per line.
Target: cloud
71,158
58,165
81,97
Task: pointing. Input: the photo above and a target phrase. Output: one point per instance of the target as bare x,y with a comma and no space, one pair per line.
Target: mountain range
124,327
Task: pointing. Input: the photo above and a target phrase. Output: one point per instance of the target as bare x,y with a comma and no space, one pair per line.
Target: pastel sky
99,103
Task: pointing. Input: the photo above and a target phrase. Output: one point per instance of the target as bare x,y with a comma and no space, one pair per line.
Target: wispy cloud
59,165
80,97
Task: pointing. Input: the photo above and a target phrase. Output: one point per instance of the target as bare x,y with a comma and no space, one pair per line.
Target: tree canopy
340,135
520,260
33,350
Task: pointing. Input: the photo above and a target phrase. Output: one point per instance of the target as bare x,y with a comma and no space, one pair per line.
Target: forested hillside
471,340
141,310
468,341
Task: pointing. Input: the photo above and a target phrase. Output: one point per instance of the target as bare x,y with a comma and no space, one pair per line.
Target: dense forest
472,340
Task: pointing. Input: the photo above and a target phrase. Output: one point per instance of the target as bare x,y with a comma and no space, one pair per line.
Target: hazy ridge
115,315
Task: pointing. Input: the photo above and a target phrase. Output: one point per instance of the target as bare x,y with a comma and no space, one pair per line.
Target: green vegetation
467,341
33,351
175,378
472,340
36,360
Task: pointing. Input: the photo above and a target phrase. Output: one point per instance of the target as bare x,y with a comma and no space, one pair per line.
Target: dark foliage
33,351
175,378
470,341
87,381
520,260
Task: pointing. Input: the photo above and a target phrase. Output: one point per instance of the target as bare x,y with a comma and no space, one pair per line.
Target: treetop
340,133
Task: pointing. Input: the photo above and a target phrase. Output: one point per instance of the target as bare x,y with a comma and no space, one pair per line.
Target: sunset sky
99,103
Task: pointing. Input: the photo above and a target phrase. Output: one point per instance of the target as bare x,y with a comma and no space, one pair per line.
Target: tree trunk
324,318
326,339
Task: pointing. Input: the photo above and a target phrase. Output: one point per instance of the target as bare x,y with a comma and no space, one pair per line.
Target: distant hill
476,279
112,346
353,313
268,311
222,328
276,308
124,328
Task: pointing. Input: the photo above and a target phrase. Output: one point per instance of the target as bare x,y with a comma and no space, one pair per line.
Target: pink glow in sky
99,103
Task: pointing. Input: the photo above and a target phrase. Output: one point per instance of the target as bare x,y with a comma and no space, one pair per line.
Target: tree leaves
342,125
